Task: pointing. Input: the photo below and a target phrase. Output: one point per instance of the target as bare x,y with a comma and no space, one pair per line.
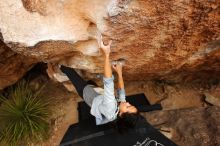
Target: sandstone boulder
191,127
13,66
166,40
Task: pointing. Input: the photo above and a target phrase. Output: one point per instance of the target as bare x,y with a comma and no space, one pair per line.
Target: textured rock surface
165,38
214,96
13,66
191,127
64,114
171,40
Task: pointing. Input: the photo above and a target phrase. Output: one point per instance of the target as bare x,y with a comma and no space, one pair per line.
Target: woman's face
126,107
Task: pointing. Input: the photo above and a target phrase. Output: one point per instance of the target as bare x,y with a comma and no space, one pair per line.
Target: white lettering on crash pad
148,142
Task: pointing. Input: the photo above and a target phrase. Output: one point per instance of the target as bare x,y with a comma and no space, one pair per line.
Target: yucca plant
23,116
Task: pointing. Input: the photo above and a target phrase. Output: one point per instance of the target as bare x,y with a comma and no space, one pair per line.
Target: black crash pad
87,133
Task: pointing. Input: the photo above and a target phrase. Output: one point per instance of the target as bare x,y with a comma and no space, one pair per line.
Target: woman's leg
89,94
78,82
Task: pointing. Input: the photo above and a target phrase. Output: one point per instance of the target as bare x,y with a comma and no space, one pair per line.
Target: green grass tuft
23,116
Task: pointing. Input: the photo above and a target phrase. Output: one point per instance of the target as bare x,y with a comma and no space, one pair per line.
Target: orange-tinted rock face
13,66
166,40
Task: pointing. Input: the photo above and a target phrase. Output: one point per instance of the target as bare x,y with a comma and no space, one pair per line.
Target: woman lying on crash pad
106,107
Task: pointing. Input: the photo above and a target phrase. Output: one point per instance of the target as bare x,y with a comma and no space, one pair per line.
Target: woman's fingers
114,67
109,43
106,48
117,67
102,43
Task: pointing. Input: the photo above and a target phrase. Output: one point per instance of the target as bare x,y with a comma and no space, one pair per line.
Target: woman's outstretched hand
118,68
105,48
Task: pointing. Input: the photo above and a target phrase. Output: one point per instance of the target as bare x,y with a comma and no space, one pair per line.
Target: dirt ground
198,126
64,112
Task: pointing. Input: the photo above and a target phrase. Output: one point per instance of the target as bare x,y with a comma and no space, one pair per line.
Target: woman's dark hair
126,122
